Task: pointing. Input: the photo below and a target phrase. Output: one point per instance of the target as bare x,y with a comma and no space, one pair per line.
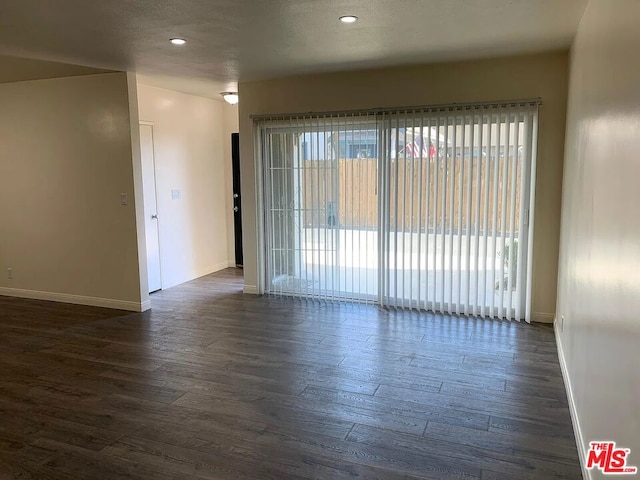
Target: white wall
65,158
599,268
543,75
189,146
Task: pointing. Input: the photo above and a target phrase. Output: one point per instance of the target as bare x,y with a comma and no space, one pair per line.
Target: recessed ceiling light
348,19
230,97
178,41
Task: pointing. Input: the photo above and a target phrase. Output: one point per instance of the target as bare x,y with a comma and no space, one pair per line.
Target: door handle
154,217
235,209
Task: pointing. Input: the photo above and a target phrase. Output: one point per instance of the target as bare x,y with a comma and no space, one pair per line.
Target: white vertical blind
321,208
425,209
456,234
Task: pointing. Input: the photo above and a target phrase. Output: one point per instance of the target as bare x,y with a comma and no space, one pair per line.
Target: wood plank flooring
214,384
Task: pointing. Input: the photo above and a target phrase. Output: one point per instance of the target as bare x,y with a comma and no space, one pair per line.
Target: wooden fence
348,194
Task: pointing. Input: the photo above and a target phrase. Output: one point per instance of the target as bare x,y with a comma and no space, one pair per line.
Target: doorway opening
237,199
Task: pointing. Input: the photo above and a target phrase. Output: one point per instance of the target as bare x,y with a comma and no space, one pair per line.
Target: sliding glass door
425,209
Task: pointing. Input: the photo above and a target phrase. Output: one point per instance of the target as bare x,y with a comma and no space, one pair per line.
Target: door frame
155,187
237,199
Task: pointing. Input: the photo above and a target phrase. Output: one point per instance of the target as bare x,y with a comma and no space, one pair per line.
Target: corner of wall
577,430
136,160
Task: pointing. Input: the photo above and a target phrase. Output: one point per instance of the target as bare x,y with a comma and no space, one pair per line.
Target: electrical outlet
123,199
9,272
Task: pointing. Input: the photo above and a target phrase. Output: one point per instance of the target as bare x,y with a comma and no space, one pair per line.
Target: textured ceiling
231,40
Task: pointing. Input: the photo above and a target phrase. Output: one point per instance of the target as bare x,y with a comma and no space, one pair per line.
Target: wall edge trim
250,289
575,422
542,317
220,266
76,299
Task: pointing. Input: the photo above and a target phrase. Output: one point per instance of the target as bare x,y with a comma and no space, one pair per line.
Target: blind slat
452,174
511,253
477,301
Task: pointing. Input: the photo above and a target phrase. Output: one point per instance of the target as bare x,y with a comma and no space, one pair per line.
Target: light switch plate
123,199
175,194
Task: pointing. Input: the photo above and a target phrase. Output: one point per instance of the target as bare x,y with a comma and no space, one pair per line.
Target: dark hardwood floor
215,384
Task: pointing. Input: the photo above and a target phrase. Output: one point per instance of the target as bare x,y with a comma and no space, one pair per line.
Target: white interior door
150,207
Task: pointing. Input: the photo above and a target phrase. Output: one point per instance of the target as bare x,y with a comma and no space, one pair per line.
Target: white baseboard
577,431
214,268
250,289
206,271
76,299
220,266
543,317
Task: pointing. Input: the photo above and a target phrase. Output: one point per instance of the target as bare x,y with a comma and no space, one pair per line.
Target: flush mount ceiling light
348,19
230,97
178,41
